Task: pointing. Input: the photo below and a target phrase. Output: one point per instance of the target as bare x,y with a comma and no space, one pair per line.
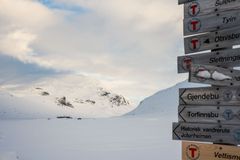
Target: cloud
129,45
16,44
25,14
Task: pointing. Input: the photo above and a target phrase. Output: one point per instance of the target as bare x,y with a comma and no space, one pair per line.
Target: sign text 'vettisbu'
202,151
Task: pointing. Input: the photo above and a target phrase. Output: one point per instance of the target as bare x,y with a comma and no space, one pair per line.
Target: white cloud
25,14
129,45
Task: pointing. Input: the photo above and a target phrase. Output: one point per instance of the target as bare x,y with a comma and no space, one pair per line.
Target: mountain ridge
162,102
73,96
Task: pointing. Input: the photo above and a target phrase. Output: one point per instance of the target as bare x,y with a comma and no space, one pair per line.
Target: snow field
135,138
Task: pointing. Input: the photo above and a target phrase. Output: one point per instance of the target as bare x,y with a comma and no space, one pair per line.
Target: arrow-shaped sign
209,114
222,58
216,133
214,75
213,40
204,7
203,151
211,22
223,96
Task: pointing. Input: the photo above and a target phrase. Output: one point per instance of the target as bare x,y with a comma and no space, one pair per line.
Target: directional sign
211,22
204,7
201,151
209,114
215,133
221,58
223,96
212,40
214,75
184,1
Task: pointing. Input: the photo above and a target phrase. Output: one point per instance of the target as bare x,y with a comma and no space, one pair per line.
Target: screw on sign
193,9
193,152
194,25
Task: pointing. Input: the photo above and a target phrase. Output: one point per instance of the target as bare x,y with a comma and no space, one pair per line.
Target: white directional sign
216,133
224,96
211,22
212,40
204,7
209,114
214,75
221,58
203,151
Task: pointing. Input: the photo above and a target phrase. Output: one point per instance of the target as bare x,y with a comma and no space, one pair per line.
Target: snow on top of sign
220,76
204,74
215,75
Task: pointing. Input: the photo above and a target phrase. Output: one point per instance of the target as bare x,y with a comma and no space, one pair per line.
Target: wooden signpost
207,132
205,7
224,96
214,75
212,40
209,114
211,22
221,58
203,151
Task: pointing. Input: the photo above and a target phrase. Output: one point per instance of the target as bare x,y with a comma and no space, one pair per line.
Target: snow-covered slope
163,102
74,96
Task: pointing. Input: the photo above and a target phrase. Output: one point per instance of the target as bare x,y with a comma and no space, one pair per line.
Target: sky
130,46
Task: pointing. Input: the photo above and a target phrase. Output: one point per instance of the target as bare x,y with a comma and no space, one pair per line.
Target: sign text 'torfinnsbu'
209,114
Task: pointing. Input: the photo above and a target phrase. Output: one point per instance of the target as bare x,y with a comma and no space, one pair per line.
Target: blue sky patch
63,6
13,70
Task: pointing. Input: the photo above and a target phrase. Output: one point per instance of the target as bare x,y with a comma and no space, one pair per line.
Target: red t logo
194,25
194,7
192,150
194,43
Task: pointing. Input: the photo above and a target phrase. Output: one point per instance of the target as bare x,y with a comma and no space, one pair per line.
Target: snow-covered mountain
73,96
163,102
